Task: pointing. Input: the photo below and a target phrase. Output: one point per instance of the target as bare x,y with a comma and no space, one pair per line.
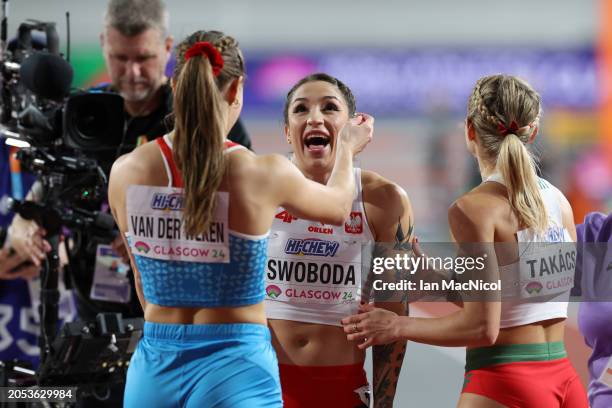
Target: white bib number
546,268
156,227
303,269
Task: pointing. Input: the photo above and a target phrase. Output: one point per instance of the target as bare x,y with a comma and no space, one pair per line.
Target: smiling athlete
314,271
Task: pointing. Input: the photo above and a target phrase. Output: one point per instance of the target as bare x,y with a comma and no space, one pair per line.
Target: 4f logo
286,217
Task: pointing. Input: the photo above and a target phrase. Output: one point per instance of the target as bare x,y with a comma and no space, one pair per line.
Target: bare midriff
547,331
310,344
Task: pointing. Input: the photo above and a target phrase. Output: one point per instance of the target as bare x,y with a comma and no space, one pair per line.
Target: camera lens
91,120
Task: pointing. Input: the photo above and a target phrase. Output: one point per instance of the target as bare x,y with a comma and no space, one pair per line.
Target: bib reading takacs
314,270
156,227
547,265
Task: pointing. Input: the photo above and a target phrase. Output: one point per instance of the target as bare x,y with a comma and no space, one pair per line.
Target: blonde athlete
516,356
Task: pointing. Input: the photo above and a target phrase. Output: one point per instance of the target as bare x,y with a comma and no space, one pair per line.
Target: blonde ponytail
518,169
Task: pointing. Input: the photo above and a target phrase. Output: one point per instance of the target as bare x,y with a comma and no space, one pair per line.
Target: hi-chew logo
311,246
533,288
273,291
168,202
142,247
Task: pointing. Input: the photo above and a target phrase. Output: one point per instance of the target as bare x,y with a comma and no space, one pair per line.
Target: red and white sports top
215,268
314,271
174,175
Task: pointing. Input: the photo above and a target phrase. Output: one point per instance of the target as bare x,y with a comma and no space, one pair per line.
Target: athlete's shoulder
486,198
378,189
386,204
472,216
474,203
276,164
137,166
241,161
567,214
258,170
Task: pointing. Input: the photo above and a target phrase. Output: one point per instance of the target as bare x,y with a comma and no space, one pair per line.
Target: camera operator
137,46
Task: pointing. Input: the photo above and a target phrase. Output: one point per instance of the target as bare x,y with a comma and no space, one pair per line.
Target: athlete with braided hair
195,211
516,356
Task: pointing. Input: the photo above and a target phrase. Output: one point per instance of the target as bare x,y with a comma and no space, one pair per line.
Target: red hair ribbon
507,130
206,48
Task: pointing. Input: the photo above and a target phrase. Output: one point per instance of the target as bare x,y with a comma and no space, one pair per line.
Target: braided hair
505,113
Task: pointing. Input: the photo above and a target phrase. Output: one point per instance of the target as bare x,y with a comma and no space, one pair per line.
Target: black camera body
69,140
38,106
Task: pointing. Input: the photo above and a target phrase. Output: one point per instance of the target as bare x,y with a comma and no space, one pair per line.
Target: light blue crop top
181,283
188,284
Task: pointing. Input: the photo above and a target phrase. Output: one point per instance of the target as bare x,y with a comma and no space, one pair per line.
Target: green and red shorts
524,376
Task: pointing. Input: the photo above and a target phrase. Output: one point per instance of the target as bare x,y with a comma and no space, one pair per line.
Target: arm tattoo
402,241
387,361
384,353
385,402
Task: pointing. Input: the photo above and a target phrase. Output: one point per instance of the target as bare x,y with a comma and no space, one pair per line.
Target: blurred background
412,65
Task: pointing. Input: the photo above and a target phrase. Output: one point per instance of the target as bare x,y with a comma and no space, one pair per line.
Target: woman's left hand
372,326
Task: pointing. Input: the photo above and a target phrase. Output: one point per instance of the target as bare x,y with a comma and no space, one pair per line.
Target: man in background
137,46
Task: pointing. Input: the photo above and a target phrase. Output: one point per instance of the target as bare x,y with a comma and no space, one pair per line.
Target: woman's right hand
358,132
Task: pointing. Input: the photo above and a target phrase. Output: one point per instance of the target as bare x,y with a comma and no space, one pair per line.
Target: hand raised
358,132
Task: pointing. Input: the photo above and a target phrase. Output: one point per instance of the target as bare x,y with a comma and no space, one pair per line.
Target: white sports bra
314,271
536,287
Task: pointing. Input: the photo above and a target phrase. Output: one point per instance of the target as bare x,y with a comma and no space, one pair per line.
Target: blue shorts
204,365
